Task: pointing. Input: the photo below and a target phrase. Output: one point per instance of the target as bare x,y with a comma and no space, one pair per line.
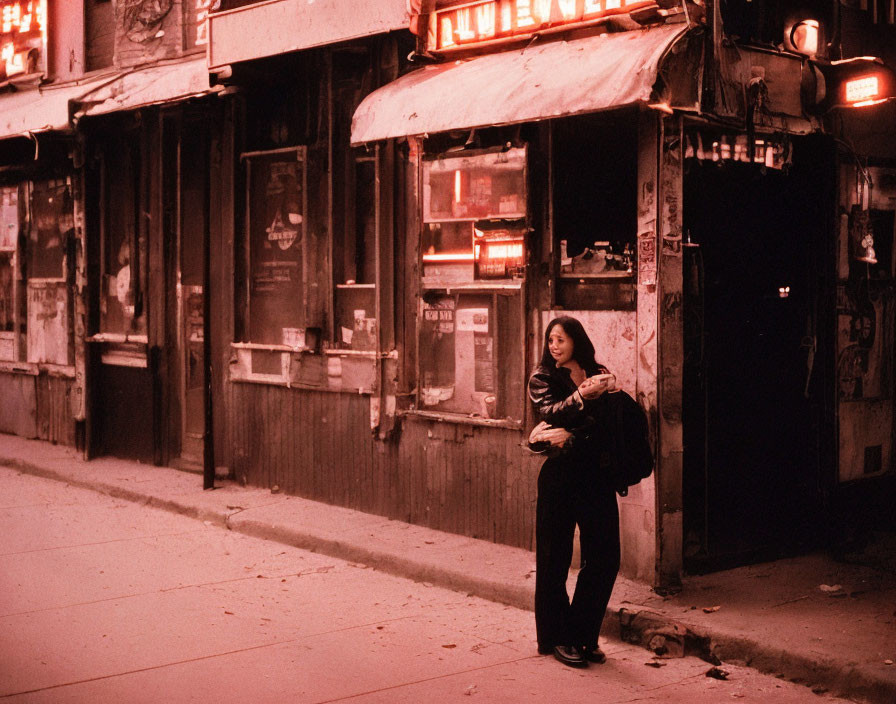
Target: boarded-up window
275,226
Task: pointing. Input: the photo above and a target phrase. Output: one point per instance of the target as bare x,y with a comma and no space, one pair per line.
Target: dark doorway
754,349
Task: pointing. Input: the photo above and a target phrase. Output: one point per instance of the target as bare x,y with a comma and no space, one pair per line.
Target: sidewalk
774,617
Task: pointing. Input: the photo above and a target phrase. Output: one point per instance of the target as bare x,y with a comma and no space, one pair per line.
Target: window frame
245,334
512,290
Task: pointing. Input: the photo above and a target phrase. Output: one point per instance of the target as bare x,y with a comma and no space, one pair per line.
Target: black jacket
557,401
609,434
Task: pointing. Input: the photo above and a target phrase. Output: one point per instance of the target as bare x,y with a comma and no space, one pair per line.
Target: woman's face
560,345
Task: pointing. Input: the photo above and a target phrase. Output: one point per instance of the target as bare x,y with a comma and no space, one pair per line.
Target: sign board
23,37
487,21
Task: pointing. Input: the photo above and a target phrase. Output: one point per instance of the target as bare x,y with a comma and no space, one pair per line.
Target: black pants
569,494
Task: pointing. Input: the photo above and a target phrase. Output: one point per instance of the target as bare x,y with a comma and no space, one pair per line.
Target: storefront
679,196
149,136
552,190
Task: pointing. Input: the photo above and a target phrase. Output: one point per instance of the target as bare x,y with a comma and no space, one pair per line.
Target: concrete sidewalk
830,625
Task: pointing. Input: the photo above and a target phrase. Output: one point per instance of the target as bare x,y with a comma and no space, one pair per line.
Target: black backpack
627,454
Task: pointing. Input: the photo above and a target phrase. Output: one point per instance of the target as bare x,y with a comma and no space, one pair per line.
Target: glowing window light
593,6
862,89
449,257
505,251
457,186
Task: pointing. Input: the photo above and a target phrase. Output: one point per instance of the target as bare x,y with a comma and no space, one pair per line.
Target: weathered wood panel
466,479
54,415
18,411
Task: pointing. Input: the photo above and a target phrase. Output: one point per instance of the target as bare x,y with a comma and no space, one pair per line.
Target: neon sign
23,36
490,20
859,90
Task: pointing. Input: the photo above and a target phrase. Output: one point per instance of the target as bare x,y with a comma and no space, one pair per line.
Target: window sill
35,368
118,338
472,286
592,276
268,348
19,368
461,419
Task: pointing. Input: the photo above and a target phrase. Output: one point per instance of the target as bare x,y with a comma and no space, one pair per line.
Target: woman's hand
556,436
594,386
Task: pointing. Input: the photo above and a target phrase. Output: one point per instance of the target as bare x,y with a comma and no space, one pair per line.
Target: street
102,600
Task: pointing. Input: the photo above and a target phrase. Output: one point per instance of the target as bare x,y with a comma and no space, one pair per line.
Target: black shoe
595,655
570,655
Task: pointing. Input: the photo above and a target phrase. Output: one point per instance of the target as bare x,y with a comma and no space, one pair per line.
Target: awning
544,80
137,88
38,109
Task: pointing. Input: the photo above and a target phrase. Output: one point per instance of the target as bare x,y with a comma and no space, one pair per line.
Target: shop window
594,191
354,259
473,252
50,226
124,251
274,310
35,318
12,318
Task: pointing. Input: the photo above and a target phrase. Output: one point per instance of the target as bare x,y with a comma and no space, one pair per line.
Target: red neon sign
22,36
489,20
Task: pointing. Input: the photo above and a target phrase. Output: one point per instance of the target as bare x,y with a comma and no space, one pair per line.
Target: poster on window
48,324
864,346
276,233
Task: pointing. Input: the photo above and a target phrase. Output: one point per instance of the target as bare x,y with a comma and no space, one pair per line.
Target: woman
564,388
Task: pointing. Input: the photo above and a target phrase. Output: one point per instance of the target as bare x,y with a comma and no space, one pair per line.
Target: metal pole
208,436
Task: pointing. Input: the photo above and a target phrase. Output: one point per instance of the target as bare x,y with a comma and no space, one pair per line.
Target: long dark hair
582,347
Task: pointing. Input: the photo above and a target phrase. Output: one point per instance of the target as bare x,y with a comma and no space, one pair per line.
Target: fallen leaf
450,645
717,673
229,613
655,663
888,662
711,609
830,588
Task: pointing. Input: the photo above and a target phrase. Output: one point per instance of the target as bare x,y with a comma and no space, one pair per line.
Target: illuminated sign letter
446,34
567,9
524,16
864,88
465,25
542,10
506,16
485,20
592,7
